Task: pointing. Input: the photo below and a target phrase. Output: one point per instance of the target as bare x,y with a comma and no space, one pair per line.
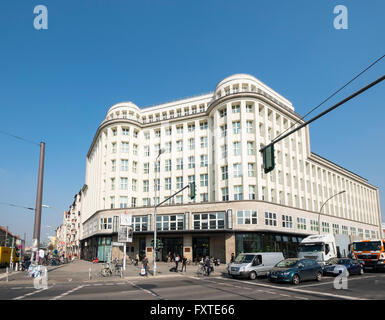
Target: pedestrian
184,264
136,259
169,257
232,258
145,264
207,265
177,259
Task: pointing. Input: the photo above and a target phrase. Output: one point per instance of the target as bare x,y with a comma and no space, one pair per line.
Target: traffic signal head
268,159
192,190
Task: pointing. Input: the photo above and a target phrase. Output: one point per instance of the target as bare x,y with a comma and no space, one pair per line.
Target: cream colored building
214,139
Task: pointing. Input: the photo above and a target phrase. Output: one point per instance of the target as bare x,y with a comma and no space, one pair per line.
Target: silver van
252,265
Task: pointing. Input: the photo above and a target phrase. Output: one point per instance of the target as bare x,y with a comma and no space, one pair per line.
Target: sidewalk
80,270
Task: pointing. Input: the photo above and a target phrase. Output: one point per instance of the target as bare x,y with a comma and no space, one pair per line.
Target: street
69,282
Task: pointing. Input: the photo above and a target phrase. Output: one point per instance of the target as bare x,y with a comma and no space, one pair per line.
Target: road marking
29,294
331,282
69,292
295,289
146,290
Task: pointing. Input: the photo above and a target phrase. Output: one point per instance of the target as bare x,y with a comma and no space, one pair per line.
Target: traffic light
192,190
159,244
268,159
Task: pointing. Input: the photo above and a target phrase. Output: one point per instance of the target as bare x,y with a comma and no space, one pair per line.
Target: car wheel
295,279
252,275
319,276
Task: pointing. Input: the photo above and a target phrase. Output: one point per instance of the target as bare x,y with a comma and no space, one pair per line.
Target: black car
336,266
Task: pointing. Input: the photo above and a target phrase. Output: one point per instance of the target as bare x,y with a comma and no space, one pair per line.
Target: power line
20,138
332,95
15,205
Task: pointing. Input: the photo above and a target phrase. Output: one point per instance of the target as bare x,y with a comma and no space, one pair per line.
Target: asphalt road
184,287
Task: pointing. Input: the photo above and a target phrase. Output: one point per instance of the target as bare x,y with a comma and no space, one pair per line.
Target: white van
251,265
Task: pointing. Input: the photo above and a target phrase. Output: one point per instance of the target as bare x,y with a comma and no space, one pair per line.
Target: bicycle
118,269
106,271
202,271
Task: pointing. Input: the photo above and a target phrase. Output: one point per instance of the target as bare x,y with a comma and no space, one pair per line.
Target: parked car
295,270
335,266
251,265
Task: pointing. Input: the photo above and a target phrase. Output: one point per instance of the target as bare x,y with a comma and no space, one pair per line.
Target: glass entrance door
171,245
201,248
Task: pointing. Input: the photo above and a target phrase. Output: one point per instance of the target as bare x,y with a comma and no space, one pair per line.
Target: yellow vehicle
370,252
5,256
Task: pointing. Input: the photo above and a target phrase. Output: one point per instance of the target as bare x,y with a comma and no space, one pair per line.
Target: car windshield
244,258
286,263
311,247
367,246
332,261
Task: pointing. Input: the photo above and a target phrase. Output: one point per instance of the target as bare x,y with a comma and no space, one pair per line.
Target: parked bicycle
202,271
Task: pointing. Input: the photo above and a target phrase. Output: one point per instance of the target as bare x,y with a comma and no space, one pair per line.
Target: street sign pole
124,256
11,258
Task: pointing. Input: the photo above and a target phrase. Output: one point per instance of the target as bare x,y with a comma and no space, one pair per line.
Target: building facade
141,156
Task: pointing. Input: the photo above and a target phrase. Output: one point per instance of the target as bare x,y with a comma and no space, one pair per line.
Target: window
270,219
204,197
325,227
140,223
204,160
134,166
191,127
168,165
250,148
168,131
146,202
112,183
179,164
203,142
223,113
252,195
146,186
146,151
236,109
167,183
249,108
135,149
113,165
123,183
191,162
314,225
134,184
191,179
287,221
225,194
179,145
179,182
203,125
135,133
114,132
113,147
345,230
146,168
179,129
236,148
301,223
124,165
236,127
238,193
112,202
209,221
251,170
353,231
237,170
105,223
336,229
204,180
249,126
156,184
125,131
225,174
170,222
133,202
123,202
191,144
147,135
246,217
125,146
168,147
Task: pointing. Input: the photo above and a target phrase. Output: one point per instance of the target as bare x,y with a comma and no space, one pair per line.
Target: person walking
177,259
207,265
232,258
184,264
145,264
136,259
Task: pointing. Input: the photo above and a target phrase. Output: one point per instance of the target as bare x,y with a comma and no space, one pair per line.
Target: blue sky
57,84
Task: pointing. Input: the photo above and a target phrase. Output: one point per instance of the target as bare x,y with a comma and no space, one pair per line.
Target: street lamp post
319,215
155,205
